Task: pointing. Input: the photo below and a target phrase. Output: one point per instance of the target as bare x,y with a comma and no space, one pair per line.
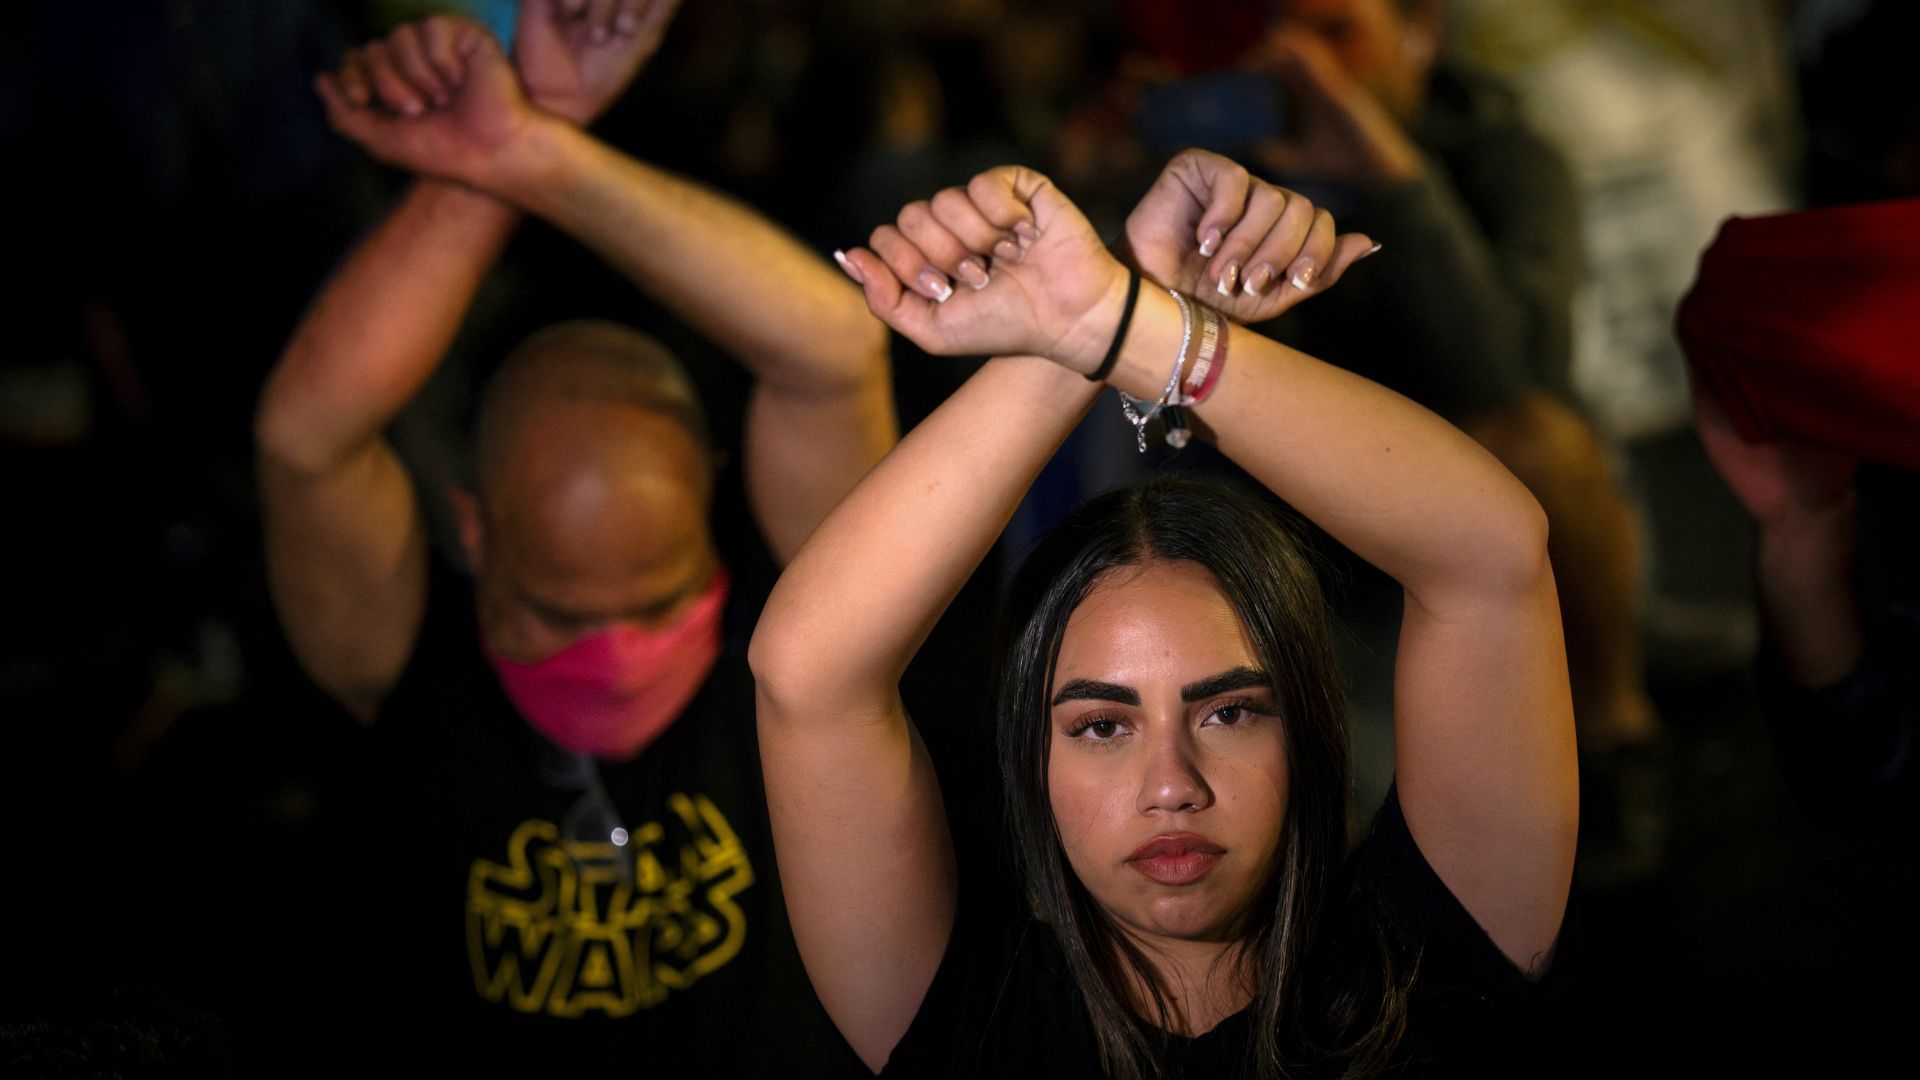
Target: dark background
176,890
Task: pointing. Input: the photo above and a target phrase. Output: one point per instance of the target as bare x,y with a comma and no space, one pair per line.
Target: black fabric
1004,1004
515,938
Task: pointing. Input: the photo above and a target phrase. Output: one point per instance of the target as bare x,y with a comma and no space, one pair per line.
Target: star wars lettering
568,928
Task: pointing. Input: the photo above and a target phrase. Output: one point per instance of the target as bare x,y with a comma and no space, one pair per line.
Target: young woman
1170,724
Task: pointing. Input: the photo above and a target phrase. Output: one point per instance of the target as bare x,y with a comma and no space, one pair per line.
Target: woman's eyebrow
1240,678
1089,690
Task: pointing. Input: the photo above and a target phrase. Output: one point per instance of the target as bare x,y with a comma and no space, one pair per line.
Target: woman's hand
1006,265
1244,247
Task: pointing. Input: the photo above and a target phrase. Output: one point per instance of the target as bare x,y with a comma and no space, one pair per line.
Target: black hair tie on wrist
1126,319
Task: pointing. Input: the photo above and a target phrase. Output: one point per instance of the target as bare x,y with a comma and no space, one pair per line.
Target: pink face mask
614,691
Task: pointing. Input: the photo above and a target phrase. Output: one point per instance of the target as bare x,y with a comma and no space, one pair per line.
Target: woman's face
1168,767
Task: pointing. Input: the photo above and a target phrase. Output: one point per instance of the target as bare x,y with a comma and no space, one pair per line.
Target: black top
524,937
1004,1004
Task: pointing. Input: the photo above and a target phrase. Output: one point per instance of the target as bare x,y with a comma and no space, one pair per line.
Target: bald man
571,866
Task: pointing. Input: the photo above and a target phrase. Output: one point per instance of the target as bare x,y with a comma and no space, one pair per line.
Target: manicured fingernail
1258,279
1228,278
935,283
1008,251
1372,250
1303,276
973,273
600,33
1209,242
626,21
852,270
1026,232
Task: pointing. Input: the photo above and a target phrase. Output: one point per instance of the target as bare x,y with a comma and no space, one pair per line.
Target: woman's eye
1228,715
1101,730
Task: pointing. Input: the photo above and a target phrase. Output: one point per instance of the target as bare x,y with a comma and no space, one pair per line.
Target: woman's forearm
1401,487
855,604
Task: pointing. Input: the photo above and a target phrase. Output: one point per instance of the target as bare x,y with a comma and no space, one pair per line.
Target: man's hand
435,97
1341,131
576,57
1777,482
1243,247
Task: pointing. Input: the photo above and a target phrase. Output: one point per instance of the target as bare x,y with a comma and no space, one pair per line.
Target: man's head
594,480
1389,46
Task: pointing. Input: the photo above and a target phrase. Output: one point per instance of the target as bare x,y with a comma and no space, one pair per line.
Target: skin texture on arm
866,861
346,546
819,360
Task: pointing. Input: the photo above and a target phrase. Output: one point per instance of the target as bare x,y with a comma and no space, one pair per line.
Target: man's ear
466,517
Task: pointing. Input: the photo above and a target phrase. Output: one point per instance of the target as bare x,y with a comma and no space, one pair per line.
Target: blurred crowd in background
171,777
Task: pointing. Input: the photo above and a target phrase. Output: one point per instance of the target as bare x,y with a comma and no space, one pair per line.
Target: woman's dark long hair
1253,552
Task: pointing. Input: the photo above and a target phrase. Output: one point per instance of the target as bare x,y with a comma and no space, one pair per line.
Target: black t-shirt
1004,1003
524,933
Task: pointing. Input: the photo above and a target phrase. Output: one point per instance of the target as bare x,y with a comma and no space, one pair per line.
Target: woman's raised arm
1483,720
866,860
865,857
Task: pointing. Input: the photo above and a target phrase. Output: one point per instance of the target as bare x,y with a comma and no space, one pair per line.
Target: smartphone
1228,112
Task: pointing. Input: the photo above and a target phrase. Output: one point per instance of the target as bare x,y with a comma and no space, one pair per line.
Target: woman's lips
1176,859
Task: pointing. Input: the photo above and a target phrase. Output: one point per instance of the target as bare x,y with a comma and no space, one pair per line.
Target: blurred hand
576,57
1242,246
435,97
1777,482
1340,130
1006,265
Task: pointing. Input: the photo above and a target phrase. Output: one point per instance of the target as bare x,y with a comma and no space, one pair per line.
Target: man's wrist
528,161
464,203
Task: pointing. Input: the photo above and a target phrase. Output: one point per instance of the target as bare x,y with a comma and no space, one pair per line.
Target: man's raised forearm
740,280
381,325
